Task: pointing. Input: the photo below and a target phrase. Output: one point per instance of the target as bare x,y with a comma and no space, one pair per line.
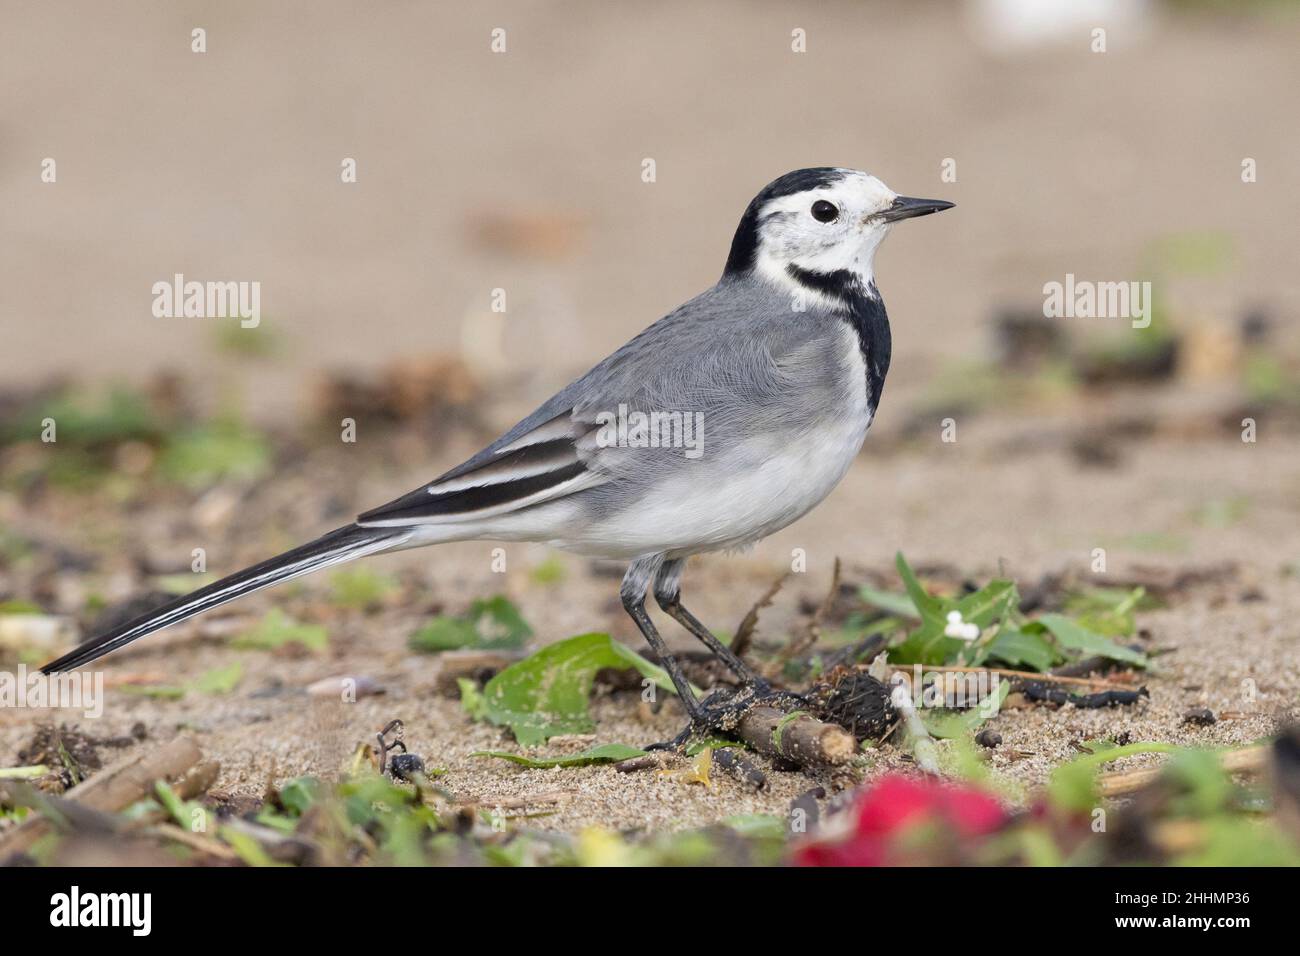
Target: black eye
824,211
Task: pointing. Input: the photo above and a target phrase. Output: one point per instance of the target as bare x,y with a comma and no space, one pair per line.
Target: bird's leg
723,709
668,592
633,592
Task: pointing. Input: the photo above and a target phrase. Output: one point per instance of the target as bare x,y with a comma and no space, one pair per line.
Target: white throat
861,264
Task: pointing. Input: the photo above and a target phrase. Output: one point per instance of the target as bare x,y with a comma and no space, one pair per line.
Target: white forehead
856,190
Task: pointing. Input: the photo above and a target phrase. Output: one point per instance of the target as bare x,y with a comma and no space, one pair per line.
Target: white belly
732,508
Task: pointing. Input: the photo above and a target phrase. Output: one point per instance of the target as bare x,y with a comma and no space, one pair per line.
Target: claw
722,710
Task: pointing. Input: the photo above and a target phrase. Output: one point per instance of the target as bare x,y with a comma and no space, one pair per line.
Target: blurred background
1112,140
522,171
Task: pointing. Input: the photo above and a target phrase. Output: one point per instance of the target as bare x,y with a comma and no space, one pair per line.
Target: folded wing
538,466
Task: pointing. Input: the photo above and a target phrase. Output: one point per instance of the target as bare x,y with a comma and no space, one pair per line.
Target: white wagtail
780,365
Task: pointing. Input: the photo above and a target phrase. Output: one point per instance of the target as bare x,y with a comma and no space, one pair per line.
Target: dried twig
650,761
1020,675
805,740
745,633
120,784
195,841
741,767
281,847
923,747
1245,760
515,803
802,642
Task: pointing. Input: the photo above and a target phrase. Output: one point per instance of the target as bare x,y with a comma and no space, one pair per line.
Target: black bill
905,207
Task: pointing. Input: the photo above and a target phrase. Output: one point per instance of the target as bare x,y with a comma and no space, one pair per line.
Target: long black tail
342,544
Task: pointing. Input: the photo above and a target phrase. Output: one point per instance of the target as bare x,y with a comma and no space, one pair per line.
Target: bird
726,420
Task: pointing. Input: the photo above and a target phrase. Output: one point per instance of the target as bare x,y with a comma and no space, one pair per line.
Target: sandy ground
1228,644
226,166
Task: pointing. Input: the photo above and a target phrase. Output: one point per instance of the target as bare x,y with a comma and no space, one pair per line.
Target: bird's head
818,229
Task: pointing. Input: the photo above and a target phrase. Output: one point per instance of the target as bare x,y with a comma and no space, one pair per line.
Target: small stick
1022,675
740,767
281,847
514,803
195,841
24,773
1244,760
115,787
647,762
797,737
745,633
197,780
923,746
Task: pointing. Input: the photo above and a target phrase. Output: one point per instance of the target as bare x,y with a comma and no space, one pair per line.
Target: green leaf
1236,841
183,812
1206,787
1076,638
899,605
20,607
277,629
604,753
1106,611
369,798
993,602
948,724
86,419
182,583
926,645
546,694
443,634
764,826
247,848
471,698
930,608
1021,649
550,571
856,631
1208,252
1072,785
494,623
32,772
220,449
630,659
268,817
299,794
694,748
220,680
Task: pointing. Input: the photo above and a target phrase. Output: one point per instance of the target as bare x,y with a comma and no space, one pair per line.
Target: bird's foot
721,712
